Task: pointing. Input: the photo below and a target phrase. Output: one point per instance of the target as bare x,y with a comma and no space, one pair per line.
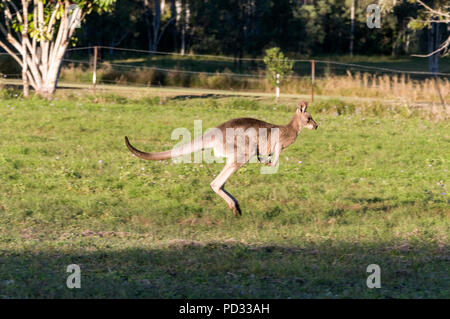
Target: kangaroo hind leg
218,186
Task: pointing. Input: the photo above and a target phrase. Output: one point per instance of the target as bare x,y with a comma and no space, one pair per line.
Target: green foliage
417,24
89,6
424,15
86,6
226,27
277,63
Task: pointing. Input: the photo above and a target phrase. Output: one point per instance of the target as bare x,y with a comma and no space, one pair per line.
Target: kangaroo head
304,118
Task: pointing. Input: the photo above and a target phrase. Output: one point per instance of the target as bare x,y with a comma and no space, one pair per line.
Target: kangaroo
239,148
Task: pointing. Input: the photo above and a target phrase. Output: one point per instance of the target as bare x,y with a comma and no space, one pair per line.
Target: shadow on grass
185,269
207,96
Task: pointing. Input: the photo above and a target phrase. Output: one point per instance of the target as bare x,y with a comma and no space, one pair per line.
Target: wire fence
260,61
135,67
301,66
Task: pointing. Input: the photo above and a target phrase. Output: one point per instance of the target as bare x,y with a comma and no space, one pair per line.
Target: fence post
94,74
313,69
277,93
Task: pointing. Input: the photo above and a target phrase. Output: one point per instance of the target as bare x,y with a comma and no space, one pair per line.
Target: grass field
368,187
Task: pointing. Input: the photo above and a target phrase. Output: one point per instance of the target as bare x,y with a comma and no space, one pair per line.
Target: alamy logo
240,145
374,280
73,280
373,16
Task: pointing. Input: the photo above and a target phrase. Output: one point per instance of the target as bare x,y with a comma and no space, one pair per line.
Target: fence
153,68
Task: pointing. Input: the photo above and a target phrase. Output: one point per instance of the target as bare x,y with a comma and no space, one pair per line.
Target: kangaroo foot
236,210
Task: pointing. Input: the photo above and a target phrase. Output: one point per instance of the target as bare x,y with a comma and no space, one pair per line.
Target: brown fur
253,146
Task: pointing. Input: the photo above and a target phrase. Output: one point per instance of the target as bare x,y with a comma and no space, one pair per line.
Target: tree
352,26
426,15
116,28
183,16
278,67
153,16
430,16
39,31
277,63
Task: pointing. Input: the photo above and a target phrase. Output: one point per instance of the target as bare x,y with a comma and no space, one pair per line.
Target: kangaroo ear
302,106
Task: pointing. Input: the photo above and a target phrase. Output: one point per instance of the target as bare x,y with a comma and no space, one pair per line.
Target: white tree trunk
179,9
48,85
26,86
182,22
156,24
187,19
41,60
352,26
153,22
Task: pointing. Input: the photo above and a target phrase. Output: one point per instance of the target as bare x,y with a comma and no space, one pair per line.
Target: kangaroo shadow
187,269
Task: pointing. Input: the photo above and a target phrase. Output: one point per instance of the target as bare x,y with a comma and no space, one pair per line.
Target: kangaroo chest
287,140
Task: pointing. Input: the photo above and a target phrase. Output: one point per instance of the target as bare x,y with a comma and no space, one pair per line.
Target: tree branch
164,28
32,81
433,10
10,52
19,17
59,37
50,29
26,86
13,41
443,46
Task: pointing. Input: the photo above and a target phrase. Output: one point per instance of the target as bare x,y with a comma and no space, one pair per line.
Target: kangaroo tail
188,148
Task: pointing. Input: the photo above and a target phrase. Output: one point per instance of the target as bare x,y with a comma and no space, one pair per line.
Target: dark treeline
248,27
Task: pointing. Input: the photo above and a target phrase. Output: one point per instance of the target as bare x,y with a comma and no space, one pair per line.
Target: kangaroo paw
265,160
236,210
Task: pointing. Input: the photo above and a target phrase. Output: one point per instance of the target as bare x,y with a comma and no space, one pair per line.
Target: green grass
371,188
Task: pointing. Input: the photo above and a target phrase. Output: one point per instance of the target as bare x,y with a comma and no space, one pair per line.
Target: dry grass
355,84
394,86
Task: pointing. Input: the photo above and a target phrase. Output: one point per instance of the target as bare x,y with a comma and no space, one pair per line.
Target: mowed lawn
360,190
